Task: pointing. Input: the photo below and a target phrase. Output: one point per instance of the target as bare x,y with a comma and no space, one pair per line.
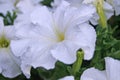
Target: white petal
90,40
1,26
31,51
44,17
112,68
25,18
9,32
66,16
75,3
19,47
108,10
88,1
67,78
116,4
7,1
65,52
84,36
34,52
6,7
8,64
59,15
44,22
56,3
37,57
0,70
43,33
26,70
43,59
24,30
94,19
25,6
74,16
1,22
36,1
117,10
93,74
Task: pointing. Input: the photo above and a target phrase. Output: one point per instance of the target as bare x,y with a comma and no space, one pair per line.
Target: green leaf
9,18
47,2
58,72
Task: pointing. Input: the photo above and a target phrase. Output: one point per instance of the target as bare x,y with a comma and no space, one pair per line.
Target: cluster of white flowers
41,36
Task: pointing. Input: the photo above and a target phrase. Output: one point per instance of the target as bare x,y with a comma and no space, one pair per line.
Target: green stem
77,65
101,13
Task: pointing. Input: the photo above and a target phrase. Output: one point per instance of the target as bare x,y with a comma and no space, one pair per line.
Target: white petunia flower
67,78
112,71
116,5
54,36
9,64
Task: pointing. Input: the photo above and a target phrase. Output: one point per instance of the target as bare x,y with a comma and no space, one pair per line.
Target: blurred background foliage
108,44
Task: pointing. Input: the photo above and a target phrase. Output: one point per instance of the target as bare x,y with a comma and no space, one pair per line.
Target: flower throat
4,43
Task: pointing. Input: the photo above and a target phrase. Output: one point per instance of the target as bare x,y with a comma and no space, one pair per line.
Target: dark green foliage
9,18
106,46
59,72
47,2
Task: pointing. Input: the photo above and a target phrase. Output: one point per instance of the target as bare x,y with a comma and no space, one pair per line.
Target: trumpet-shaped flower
54,36
9,64
112,71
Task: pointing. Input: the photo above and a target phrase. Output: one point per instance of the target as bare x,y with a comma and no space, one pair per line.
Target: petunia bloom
112,71
9,64
54,36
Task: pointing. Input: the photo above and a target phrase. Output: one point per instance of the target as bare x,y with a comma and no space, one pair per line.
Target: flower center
4,43
59,33
60,36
